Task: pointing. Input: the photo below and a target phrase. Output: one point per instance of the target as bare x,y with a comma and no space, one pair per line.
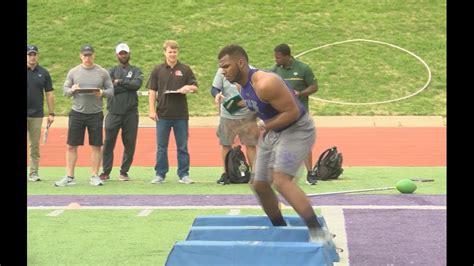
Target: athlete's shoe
65,181
322,236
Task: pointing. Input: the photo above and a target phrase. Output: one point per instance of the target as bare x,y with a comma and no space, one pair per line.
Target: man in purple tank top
289,134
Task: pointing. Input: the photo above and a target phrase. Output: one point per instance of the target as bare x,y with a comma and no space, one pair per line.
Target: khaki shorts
245,128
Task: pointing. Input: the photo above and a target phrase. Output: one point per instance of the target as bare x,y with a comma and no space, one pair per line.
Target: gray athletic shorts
286,150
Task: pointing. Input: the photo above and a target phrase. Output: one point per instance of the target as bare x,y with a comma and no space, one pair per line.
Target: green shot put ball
406,186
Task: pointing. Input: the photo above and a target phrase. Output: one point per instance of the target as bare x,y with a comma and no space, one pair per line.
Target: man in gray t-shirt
241,122
87,83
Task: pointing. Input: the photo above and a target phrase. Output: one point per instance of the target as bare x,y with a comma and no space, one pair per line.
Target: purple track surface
374,236
396,237
228,200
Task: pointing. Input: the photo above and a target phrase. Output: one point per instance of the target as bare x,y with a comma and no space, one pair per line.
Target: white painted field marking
55,212
419,207
145,212
378,42
334,217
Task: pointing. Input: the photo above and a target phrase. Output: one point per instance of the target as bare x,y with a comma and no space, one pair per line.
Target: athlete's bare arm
273,90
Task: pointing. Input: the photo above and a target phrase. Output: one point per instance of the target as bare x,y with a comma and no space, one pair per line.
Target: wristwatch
52,114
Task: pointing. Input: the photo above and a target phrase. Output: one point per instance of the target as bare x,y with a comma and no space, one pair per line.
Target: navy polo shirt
38,81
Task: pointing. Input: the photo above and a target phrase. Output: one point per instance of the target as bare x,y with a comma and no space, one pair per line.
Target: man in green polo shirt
301,79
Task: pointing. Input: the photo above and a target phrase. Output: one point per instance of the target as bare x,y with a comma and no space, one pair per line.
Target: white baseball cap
122,47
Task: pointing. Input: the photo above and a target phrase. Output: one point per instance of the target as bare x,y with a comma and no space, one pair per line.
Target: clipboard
91,90
231,104
171,92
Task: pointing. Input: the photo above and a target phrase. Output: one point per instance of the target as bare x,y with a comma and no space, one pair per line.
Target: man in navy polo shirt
38,82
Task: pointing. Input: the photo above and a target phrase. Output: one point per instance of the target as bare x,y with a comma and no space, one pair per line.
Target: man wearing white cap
122,113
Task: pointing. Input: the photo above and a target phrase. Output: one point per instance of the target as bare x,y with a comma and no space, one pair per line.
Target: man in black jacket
122,113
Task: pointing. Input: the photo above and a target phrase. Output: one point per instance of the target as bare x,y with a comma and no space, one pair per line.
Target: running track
371,146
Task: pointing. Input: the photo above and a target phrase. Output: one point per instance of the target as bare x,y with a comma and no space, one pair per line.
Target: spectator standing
87,83
300,77
38,83
242,123
168,85
122,113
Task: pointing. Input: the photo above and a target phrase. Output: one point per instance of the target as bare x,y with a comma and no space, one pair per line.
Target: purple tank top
262,109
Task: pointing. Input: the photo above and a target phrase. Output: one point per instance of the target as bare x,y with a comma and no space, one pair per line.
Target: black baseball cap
87,49
31,49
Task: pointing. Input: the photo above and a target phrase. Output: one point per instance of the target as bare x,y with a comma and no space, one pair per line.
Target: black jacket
125,98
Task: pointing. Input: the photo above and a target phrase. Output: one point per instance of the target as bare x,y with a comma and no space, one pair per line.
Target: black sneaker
223,180
311,178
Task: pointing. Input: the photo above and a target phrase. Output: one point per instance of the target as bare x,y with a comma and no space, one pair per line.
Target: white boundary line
144,212
378,42
55,213
419,207
336,224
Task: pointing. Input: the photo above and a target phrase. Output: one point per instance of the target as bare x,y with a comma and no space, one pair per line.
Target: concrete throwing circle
378,42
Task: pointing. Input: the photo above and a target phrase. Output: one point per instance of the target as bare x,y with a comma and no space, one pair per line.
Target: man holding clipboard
87,83
168,85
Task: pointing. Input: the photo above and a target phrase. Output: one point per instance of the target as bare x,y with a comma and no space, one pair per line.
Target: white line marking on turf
419,207
55,212
145,212
378,42
234,212
334,217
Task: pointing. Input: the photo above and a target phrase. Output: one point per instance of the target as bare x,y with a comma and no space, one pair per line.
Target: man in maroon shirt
168,85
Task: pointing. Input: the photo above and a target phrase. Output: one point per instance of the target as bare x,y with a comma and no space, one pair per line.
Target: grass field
205,177
110,237
351,72
120,237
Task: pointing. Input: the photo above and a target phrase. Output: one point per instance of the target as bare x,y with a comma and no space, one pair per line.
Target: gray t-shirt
94,77
228,90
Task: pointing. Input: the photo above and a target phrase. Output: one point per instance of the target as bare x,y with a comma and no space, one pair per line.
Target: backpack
237,169
329,165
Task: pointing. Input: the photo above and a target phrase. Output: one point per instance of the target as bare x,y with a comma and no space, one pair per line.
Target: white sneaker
157,180
186,180
65,181
34,177
96,181
321,236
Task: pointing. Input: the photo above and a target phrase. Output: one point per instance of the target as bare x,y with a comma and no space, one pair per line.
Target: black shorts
77,125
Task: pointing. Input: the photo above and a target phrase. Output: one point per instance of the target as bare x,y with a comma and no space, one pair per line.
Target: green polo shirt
298,75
